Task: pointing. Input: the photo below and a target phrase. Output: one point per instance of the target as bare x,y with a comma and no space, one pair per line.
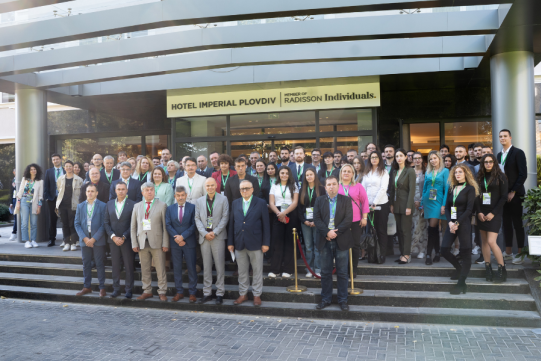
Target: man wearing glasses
249,238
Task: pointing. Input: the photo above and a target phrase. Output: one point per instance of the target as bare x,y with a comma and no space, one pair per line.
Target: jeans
310,236
329,253
26,213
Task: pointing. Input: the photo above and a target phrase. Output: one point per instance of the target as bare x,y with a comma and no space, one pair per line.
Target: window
82,150
195,149
465,133
201,127
345,120
273,123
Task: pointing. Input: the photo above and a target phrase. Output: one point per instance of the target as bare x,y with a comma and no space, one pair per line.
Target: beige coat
157,236
61,184
198,189
38,193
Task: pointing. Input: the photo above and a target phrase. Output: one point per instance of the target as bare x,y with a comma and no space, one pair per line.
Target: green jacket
405,190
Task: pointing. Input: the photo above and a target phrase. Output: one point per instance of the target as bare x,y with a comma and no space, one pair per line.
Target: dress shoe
115,294
428,261
163,298
144,296
205,299
219,300
240,300
344,306
51,244
257,301
102,293
129,295
178,297
83,292
322,305
193,299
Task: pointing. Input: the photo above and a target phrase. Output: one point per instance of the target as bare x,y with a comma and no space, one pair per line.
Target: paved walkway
58,331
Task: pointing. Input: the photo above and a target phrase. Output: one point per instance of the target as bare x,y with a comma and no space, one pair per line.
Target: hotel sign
274,100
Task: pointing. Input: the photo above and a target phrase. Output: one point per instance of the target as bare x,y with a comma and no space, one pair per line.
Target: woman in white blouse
375,182
283,199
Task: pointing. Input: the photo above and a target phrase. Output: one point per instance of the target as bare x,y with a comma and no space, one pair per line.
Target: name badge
89,224
14,194
223,193
158,198
284,206
209,222
486,198
146,225
453,212
310,213
331,223
432,194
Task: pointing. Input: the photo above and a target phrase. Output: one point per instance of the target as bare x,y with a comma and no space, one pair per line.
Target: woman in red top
221,177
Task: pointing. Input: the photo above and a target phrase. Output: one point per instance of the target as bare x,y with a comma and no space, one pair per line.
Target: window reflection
465,133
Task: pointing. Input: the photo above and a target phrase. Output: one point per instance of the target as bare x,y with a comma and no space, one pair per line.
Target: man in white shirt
299,168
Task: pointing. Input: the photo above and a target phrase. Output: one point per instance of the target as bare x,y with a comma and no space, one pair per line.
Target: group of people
245,210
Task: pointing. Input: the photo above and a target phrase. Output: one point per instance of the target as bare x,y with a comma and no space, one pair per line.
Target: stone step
373,297
369,313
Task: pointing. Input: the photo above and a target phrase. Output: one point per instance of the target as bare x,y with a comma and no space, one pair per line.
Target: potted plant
532,204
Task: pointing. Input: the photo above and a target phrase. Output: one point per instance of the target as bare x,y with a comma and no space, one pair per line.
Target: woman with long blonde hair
143,170
458,210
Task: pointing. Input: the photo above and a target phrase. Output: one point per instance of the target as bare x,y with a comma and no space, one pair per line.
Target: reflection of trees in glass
7,163
82,150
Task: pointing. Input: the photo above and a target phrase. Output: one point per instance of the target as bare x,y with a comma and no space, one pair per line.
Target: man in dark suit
97,161
180,224
513,160
50,193
134,186
117,223
249,237
103,188
202,167
333,216
299,167
232,189
284,158
108,174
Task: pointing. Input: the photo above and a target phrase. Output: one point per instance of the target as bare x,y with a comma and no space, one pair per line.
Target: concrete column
513,104
31,140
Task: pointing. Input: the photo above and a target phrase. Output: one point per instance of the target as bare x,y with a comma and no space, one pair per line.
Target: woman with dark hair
69,188
328,169
29,200
419,236
489,206
260,167
283,199
311,189
344,160
272,173
163,190
375,182
402,192
225,162
79,170
458,211
358,165
449,161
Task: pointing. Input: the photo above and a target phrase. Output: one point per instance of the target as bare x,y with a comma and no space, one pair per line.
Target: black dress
498,197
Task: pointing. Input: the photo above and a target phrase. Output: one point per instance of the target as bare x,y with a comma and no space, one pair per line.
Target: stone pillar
31,140
513,104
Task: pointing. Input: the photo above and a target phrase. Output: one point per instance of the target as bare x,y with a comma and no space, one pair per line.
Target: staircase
392,293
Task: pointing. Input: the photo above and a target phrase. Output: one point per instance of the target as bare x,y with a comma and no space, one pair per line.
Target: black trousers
464,237
119,254
512,218
477,239
67,216
380,220
53,219
282,244
356,232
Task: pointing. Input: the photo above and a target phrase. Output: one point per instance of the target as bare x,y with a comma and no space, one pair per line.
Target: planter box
534,245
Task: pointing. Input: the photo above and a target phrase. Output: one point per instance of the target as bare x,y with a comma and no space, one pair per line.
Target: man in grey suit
150,239
211,217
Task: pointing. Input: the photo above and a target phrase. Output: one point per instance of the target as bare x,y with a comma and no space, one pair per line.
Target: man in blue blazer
117,222
284,158
89,226
180,224
299,168
134,186
249,237
50,193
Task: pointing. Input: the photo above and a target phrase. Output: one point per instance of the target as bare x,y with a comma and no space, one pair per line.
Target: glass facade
465,133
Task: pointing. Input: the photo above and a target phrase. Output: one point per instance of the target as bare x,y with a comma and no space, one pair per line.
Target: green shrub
538,170
4,213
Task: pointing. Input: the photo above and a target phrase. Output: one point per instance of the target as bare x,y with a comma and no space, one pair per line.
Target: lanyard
333,207
434,174
327,173
209,208
504,157
260,180
147,213
346,190
171,181
486,186
245,205
190,185
110,179
90,211
283,191
225,181
397,176
455,193
371,219
310,194
121,208
144,175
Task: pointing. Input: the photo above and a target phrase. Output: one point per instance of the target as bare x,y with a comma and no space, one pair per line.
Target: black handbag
370,239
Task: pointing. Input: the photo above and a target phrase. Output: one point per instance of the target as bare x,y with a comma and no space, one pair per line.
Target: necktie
57,173
147,211
180,214
299,171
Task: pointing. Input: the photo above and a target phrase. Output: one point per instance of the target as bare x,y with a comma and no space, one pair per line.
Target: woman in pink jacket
359,201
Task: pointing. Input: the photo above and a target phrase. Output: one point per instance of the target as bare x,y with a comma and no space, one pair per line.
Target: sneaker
63,244
34,244
73,247
475,250
480,260
508,257
286,275
518,260
66,248
13,237
308,274
455,251
272,275
421,255
318,274
78,245
28,244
